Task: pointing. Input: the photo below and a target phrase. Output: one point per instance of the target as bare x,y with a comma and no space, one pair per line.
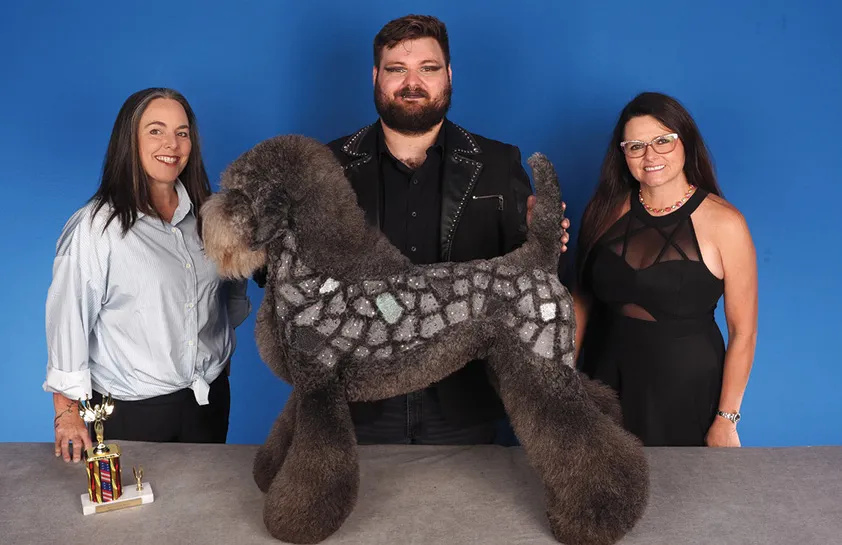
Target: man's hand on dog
565,223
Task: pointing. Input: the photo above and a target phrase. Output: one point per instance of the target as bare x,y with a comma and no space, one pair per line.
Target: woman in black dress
658,247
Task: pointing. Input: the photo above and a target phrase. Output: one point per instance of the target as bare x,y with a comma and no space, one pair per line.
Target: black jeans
417,419
175,417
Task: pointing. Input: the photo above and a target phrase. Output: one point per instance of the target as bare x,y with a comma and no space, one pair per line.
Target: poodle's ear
228,233
269,221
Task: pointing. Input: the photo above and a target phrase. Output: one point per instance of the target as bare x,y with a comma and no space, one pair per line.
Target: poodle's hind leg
272,453
604,397
595,474
316,487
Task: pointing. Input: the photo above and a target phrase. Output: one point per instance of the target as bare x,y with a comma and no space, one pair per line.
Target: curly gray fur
346,317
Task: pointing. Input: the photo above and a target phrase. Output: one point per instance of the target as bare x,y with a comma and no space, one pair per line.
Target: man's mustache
412,92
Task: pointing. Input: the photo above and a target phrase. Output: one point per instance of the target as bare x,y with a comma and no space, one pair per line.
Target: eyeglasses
662,144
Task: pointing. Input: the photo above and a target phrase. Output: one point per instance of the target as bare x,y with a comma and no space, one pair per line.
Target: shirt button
174,229
190,343
187,265
190,305
415,181
414,214
413,248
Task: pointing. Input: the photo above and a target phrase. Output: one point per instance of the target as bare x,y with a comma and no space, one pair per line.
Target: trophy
105,480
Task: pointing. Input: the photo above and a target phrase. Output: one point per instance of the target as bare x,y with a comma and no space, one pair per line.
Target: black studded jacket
484,188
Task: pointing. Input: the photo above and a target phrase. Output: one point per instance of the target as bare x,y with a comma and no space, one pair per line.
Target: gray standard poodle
346,317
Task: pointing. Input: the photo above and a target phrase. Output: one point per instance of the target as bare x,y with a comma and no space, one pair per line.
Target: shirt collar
382,149
185,205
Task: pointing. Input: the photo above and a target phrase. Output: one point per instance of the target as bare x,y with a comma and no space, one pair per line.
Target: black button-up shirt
411,211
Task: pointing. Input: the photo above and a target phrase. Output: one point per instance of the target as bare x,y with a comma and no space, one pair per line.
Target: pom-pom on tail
545,228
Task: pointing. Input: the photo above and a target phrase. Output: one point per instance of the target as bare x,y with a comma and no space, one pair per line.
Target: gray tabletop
427,495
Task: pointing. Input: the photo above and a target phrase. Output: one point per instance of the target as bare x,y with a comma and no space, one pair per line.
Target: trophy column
105,483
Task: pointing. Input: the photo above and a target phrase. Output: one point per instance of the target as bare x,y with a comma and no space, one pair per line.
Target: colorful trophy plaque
103,465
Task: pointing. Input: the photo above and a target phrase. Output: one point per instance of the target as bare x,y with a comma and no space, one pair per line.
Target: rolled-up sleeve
74,300
238,303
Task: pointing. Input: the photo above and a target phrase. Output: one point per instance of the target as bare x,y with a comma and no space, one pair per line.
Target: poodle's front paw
309,499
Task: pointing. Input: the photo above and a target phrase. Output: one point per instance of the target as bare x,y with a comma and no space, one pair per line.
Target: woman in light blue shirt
135,308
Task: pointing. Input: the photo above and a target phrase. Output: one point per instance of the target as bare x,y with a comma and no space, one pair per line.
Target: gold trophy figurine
138,476
102,461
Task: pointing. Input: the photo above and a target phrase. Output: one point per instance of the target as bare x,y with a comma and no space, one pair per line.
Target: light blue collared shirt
141,315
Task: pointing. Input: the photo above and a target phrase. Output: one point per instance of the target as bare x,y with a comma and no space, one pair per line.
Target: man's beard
415,119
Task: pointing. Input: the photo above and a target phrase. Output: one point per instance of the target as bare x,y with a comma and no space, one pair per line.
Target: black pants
417,419
175,417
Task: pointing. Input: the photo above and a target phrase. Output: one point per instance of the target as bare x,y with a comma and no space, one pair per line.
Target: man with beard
439,193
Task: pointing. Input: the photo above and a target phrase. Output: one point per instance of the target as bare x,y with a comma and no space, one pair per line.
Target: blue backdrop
763,80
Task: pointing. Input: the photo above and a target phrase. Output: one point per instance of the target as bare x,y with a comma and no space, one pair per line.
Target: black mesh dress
659,347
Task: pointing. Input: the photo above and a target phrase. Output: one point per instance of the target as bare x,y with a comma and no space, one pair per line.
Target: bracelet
733,417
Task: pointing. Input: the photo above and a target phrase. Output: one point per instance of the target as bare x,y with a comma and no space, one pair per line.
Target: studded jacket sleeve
515,216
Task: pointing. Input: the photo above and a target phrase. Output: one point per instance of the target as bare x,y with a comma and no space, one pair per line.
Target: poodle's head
259,193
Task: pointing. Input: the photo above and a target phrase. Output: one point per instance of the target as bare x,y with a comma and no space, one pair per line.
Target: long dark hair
124,184
615,179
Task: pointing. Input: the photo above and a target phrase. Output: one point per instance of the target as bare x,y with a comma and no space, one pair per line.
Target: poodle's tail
544,236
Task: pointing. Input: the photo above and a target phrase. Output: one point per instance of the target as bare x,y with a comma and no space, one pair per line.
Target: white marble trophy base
131,497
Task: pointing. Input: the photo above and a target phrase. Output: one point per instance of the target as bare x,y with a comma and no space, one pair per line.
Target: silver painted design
309,315
327,356
478,303
461,287
383,353
377,334
407,299
374,287
526,306
337,304
327,327
548,311
353,328
481,280
504,288
330,285
342,344
291,294
363,306
406,331
431,325
457,312
527,331
300,270
429,303
546,341
361,352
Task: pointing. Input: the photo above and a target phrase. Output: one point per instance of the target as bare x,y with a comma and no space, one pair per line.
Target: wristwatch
733,417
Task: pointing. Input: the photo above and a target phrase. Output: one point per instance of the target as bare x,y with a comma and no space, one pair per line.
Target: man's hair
411,27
